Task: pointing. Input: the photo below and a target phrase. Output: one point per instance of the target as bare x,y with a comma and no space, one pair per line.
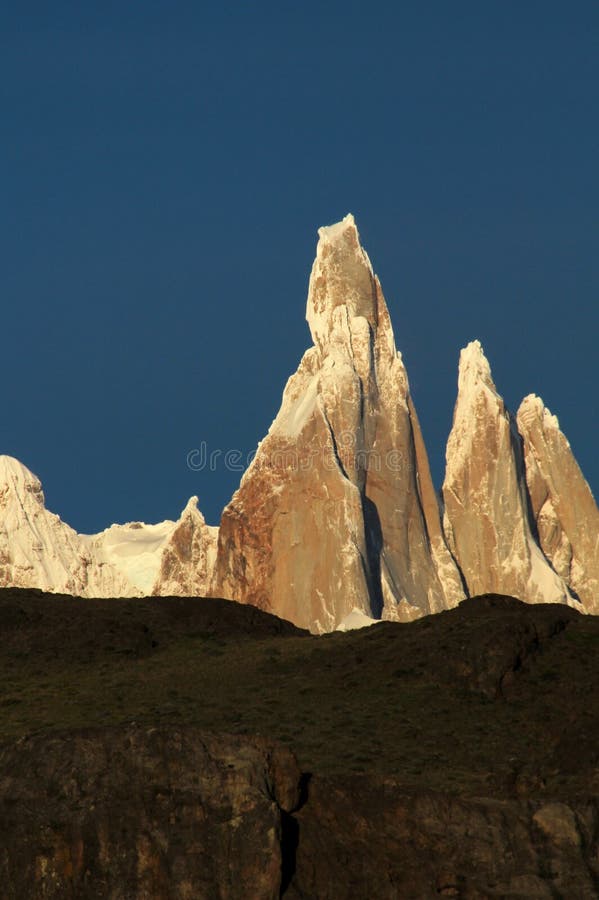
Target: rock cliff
152,812
148,750
337,511
486,515
562,505
144,812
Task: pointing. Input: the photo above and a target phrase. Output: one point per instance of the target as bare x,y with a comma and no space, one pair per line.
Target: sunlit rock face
39,550
486,515
563,507
336,521
337,511
188,556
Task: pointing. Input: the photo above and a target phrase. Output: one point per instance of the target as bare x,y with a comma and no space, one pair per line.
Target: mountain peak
15,477
477,398
474,366
192,509
336,521
342,282
13,468
532,407
332,233
486,516
561,502
337,511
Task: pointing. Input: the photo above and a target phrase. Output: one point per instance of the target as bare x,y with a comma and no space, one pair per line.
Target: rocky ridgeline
38,549
336,519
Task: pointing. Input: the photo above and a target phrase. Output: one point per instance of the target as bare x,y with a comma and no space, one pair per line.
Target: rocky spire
188,555
337,521
563,507
337,511
486,515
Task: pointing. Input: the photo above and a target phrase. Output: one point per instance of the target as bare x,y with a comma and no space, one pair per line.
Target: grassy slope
424,702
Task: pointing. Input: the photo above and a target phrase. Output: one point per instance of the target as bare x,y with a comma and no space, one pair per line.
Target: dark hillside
431,724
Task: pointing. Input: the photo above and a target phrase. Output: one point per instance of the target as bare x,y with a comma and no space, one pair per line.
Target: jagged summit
486,516
342,283
563,507
337,229
336,521
12,472
192,505
533,409
477,399
474,368
337,511
38,550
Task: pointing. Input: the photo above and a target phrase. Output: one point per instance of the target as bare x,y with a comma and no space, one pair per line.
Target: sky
164,167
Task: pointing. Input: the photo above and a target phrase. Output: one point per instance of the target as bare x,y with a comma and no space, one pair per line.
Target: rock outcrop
564,509
38,549
188,556
157,812
337,512
366,837
457,755
486,516
144,812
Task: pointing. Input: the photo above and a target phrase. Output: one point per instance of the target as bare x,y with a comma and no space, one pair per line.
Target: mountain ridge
337,515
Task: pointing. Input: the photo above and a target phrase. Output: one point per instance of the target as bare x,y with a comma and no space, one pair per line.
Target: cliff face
562,505
362,837
155,812
188,556
486,517
144,812
456,755
337,511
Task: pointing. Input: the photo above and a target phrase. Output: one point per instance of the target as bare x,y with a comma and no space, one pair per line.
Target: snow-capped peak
38,550
20,491
13,471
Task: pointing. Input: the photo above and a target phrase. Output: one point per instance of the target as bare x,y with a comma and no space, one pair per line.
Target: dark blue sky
164,167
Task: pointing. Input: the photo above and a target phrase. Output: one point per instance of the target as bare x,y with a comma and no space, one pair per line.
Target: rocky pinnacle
337,511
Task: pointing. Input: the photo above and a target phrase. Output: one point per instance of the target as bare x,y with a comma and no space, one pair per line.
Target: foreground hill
183,747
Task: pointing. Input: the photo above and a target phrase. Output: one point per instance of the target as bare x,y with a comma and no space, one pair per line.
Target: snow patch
134,549
356,619
293,416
